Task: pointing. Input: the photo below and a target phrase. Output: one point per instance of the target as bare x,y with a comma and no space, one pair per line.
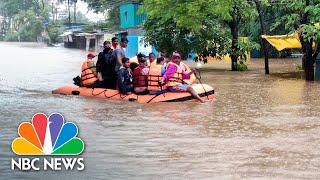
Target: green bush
30,33
54,31
299,67
241,66
11,36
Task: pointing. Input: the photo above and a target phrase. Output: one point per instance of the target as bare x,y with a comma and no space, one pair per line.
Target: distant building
75,37
87,41
129,16
131,27
72,39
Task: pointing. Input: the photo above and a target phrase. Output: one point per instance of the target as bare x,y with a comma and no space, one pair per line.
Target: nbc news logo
50,137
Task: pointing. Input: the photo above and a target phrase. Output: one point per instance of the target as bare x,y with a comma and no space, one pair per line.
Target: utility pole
75,11
69,16
52,12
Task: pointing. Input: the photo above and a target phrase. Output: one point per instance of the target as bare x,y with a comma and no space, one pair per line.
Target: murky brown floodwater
258,127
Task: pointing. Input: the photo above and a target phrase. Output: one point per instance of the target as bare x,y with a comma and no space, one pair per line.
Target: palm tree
75,10
68,8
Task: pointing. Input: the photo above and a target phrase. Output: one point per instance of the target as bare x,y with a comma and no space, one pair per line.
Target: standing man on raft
106,67
119,53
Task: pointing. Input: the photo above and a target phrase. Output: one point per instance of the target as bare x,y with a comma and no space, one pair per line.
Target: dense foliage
32,20
212,26
22,20
167,37
301,16
207,28
234,18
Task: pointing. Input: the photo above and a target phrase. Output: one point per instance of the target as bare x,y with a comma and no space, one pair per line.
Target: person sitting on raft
174,77
152,59
161,63
88,72
140,75
125,85
155,76
187,69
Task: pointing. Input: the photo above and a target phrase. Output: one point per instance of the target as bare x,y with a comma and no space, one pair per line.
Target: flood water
258,127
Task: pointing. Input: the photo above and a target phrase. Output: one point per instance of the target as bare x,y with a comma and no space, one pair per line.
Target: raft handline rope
98,93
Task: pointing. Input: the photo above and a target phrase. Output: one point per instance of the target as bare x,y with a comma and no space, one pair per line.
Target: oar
161,88
199,79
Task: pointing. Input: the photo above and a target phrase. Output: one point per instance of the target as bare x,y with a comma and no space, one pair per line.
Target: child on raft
125,85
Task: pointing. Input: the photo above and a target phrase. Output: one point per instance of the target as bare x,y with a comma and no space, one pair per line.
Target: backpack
77,81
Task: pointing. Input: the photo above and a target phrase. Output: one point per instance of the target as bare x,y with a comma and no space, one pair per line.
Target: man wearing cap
119,53
174,77
88,71
140,75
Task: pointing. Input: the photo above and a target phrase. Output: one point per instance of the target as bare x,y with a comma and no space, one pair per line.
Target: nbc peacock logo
48,136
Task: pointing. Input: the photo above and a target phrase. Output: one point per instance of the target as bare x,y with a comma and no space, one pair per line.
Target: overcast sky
83,7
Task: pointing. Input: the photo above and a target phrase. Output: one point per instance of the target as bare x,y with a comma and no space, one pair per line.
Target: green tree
73,3
238,11
54,31
306,13
28,25
223,16
24,20
81,18
103,5
167,37
110,7
10,8
113,19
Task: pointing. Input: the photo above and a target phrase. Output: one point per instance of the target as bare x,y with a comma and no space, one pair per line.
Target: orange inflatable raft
205,91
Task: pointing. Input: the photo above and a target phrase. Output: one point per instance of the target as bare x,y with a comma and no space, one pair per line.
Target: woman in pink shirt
174,76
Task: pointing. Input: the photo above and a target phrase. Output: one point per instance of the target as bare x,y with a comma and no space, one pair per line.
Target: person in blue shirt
119,52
